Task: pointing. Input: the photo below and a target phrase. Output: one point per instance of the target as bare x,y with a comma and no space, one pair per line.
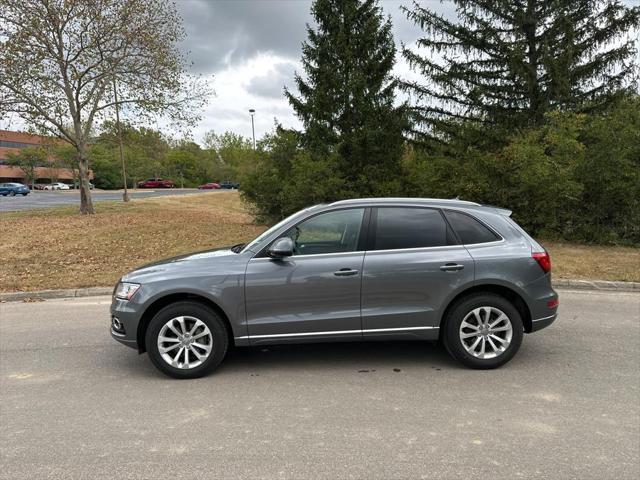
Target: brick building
47,173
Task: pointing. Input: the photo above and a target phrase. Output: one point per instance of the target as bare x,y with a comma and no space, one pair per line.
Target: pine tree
346,100
506,63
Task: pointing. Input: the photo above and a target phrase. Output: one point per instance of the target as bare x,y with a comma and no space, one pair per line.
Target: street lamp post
252,112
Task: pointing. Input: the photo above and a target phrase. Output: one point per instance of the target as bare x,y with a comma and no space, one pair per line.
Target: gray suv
371,269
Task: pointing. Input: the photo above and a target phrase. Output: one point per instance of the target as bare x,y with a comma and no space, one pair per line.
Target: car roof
431,202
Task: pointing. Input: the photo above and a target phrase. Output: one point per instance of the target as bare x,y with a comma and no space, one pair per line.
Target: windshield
256,244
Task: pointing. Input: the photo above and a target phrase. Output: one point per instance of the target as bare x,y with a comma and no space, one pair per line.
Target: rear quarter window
469,229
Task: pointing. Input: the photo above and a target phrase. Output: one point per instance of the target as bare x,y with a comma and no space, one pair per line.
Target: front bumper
128,317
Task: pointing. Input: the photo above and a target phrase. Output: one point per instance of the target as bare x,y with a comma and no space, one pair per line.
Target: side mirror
282,247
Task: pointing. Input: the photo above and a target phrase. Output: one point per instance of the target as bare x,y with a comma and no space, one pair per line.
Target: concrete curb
50,294
600,285
603,285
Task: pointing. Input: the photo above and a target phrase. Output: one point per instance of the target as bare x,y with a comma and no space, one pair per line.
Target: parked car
373,269
156,183
56,186
229,185
13,189
39,186
209,186
73,186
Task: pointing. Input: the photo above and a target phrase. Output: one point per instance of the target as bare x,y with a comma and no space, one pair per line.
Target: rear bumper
542,301
540,323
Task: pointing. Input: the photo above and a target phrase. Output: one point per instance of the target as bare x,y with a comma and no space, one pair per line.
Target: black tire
465,306
220,338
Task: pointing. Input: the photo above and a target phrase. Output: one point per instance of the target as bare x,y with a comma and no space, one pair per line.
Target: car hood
192,264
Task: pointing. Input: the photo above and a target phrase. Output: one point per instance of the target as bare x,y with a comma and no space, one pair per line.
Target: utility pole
253,130
125,194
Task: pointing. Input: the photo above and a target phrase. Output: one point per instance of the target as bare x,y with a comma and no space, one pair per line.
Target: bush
577,177
286,179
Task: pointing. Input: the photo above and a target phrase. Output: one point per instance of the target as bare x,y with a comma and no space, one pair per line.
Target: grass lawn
57,248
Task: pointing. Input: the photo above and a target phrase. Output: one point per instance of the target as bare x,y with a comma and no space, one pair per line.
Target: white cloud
243,86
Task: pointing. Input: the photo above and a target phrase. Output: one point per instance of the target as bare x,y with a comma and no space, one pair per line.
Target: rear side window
398,228
469,229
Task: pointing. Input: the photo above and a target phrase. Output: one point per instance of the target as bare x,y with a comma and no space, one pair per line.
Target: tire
218,340
467,310
25,194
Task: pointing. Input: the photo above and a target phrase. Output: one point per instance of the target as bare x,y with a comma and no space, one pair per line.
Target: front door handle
451,267
345,272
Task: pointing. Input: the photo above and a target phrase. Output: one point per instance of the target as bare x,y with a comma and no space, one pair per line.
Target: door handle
451,267
345,272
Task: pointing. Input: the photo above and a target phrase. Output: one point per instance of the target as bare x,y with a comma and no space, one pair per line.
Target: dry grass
57,248
588,262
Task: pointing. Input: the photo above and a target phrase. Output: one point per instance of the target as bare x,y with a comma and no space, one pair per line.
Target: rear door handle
451,267
345,272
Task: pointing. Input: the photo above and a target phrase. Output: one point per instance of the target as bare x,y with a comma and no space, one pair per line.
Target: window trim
500,238
362,240
374,223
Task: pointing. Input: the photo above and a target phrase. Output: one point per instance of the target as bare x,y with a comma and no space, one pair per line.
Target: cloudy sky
253,48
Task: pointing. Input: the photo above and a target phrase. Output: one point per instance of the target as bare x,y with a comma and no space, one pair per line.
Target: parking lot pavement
75,404
45,199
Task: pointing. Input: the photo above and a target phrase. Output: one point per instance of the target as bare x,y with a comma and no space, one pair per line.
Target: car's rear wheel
186,340
483,331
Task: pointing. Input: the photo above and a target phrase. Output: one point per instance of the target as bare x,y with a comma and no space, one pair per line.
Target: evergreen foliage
346,100
505,63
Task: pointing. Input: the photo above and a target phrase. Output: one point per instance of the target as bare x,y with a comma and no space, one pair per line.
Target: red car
156,183
209,186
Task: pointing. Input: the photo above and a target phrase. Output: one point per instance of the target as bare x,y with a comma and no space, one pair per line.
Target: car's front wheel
483,331
186,340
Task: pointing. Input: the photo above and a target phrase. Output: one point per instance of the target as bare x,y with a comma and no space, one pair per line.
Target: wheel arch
509,293
159,303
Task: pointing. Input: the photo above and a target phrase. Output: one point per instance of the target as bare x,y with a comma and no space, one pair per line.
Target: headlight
125,291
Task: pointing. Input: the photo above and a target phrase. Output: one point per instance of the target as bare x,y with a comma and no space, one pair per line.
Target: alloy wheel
185,342
486,332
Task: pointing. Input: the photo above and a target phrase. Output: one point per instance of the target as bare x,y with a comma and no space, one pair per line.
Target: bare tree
59,59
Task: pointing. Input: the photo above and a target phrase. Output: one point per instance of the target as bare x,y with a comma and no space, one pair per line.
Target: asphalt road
75,404
44,199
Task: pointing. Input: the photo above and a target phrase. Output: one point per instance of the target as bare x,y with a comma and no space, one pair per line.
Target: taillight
543,259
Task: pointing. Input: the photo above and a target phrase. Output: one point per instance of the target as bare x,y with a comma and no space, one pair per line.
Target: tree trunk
530,27
86,204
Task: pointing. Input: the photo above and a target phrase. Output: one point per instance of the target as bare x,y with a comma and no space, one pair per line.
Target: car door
412,265
314,294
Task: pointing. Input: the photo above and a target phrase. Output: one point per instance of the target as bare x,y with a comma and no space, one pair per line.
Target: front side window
469,229
403,227
331,232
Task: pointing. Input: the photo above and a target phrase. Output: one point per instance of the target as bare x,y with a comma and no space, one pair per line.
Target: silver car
353,270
